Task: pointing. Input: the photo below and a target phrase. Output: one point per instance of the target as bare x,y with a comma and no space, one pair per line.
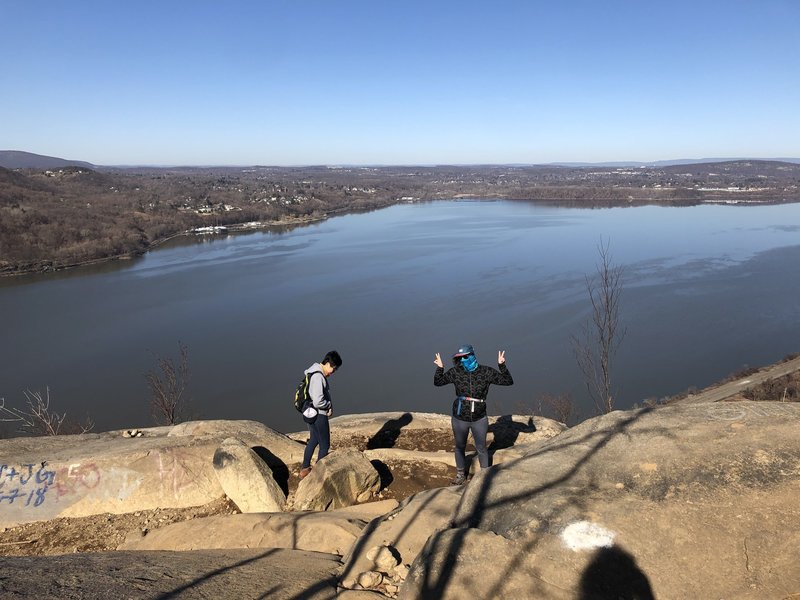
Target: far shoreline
291,222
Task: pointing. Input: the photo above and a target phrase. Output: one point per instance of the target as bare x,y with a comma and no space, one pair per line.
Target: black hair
333,359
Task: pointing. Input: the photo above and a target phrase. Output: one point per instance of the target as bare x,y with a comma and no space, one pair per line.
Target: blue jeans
320,436
479,430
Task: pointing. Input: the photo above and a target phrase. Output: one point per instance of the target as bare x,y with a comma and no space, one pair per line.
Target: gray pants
479,430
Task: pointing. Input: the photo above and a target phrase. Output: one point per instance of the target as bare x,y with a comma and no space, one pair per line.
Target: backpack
301,394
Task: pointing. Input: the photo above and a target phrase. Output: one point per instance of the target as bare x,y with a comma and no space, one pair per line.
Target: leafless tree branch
596,345
168,385
559,407
38,419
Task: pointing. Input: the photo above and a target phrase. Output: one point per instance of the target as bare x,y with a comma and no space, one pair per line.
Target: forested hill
15,159
60,216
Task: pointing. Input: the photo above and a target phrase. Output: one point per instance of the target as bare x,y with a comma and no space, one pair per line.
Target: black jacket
473,385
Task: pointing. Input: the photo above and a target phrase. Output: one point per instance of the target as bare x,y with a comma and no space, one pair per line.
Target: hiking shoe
459,480
304,472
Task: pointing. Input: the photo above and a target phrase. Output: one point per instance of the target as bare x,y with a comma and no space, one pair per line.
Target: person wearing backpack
471,382
319,395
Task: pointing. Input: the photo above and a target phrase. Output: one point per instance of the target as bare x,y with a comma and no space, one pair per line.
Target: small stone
620,486
391,589
373,552
370,579
349,584
385,559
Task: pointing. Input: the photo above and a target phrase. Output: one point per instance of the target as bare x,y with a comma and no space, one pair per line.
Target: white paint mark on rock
583,535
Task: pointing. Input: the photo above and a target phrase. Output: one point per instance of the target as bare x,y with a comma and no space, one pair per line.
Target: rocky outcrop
381,431
342,478
246,479
167,467
685,501
389,545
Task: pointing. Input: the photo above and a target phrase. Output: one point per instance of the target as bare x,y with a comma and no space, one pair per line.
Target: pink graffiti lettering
174,473
76,478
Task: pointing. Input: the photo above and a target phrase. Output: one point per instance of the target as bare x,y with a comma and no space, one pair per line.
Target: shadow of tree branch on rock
486,494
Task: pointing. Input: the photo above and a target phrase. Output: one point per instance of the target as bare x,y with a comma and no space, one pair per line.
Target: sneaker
459,480
304,472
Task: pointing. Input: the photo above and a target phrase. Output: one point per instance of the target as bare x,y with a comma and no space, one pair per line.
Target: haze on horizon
274,83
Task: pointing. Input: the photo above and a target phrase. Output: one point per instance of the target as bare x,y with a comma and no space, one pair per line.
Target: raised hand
438,361
501,357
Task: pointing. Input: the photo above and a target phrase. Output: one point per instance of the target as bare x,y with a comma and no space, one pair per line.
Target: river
707,290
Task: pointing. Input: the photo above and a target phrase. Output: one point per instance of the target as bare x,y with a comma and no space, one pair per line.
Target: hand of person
438,361
501,357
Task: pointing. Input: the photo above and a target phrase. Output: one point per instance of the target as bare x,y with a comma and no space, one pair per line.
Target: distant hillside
675,162
15,159
59,216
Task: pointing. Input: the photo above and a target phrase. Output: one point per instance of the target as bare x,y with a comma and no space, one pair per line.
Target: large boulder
396,539
342,478
685,501
274,447
246,479
162,467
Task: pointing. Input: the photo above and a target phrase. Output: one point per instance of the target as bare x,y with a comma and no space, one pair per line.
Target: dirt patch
401,479
423,440
97,533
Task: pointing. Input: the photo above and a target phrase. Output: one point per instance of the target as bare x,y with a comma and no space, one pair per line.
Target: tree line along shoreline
52,220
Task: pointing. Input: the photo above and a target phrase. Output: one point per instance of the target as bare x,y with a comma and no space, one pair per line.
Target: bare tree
596,345
557,406
168,385
38,419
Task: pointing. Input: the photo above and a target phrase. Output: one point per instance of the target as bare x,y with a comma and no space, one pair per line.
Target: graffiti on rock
76,479
175,472
25,485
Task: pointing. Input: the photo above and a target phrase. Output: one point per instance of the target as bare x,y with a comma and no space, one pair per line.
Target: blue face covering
470,363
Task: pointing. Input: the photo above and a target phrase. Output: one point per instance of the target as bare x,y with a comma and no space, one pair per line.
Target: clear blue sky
294,82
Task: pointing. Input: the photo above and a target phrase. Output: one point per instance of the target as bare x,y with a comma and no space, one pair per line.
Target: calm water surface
708,290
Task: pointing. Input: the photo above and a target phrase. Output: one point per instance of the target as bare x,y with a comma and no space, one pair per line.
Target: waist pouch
465,401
